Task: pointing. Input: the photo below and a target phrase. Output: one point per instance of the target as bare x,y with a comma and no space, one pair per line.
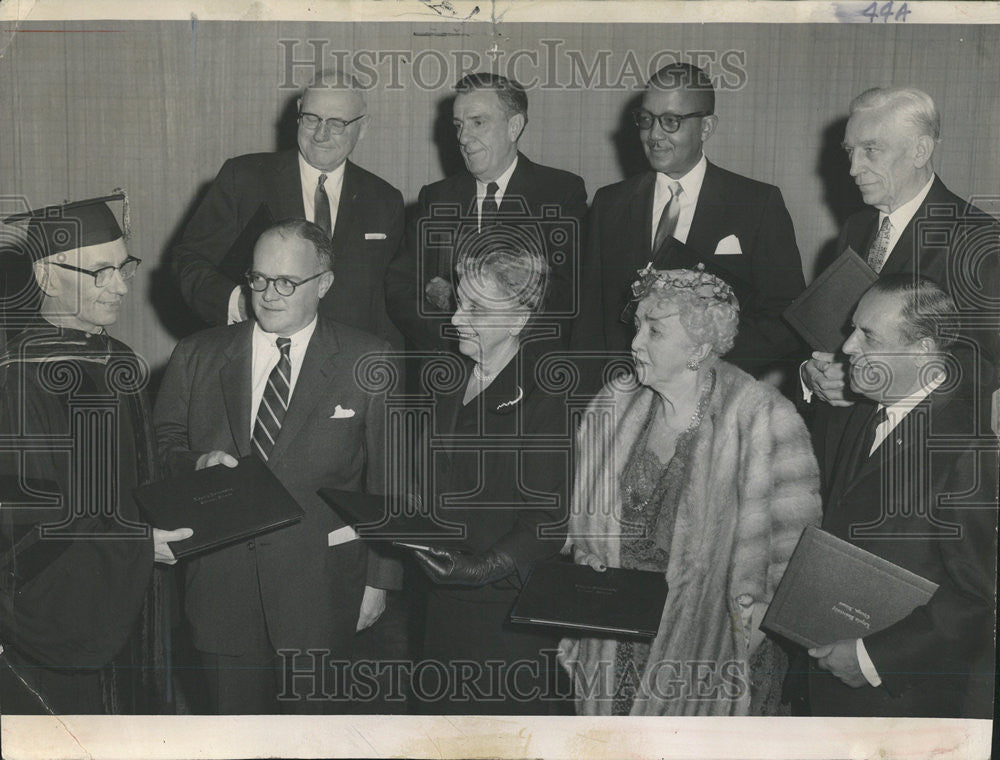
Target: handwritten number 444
886,11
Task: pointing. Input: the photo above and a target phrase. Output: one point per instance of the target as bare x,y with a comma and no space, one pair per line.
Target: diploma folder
822,313
389,518
221,504
617,601
834,590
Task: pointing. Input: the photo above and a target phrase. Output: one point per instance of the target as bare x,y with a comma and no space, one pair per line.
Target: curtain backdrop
156,107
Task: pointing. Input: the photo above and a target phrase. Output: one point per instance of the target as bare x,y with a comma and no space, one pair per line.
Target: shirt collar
502,181
690,183
310,174
902,215
264,339
899,409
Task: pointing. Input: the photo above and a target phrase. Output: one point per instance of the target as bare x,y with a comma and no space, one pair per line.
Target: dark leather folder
395,520
221,504
617,601
834,590
822,313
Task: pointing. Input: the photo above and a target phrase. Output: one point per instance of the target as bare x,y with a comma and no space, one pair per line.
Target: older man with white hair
913,224
317,181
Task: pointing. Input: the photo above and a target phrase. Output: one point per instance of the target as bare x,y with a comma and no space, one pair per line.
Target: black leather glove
465,569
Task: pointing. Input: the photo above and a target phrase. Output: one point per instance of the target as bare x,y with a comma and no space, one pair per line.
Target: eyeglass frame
250,274
658,118
331,122
96,273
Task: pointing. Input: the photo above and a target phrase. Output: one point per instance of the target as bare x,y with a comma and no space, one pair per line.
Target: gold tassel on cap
126,221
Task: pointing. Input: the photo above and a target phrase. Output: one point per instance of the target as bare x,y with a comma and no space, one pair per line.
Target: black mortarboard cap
68,226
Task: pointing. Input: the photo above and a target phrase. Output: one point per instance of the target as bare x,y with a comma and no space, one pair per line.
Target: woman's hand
585,558
451,568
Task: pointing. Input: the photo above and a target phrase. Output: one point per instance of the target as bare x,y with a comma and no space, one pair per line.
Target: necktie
668,217
274,402
880,246
877,418
491,209
322,205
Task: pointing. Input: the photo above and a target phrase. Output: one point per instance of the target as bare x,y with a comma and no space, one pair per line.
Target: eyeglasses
282,285
669,122
336,126
102,276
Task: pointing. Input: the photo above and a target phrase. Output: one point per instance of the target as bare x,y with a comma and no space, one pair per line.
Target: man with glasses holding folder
272,616
360,211
738,226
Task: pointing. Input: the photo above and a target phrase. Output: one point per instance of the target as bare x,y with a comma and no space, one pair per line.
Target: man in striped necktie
281,388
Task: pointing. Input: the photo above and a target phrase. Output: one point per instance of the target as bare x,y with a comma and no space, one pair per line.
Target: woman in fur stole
707,475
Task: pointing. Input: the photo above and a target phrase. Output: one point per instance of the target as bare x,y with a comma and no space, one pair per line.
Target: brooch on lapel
507,404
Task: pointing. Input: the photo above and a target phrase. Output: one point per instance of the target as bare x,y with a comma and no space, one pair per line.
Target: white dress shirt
265,357
691,186
502,181
901,217
894,414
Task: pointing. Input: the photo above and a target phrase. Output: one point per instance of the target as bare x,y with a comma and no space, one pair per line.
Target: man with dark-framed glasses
80,629
361,213
271,615
686,210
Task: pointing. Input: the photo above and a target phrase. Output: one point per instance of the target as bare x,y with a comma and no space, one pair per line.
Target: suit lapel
285,199
515,199
346,214
318,369
234,377
639,229
704,224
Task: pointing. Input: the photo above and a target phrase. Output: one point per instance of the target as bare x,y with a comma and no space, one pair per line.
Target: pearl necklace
482,376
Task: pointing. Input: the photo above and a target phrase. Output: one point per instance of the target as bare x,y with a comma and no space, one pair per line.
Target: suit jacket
369,206
767,275
954,243
925,500
502,467
311,593
545,205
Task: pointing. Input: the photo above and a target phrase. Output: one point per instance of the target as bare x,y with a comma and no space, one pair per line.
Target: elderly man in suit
908,476
685,210
362,212
281,387
913,224
502,196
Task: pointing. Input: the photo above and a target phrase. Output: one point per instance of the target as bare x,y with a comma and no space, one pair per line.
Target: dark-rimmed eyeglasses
336,126
669,122
103,275
282,285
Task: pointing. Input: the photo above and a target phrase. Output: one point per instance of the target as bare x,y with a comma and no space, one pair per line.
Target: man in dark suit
914,224
315,182
224,395
908,476
737,226
501,196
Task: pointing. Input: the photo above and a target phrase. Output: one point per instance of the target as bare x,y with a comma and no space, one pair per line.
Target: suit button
250,545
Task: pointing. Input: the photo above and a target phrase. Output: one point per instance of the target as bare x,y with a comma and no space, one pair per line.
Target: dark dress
74,441
501,470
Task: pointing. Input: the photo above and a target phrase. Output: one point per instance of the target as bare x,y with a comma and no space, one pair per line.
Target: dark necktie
668,217
491,209
274,402
879,248
868,439
322,205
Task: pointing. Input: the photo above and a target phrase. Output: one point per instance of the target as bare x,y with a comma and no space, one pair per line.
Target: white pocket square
341,536
374,236
728,246
341,414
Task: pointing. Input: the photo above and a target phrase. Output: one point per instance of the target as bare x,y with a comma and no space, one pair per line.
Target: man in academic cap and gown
77,620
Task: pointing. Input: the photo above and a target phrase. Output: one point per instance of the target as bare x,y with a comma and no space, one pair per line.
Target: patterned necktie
322,205
491,209
868,440
668,217
880,246
274,402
